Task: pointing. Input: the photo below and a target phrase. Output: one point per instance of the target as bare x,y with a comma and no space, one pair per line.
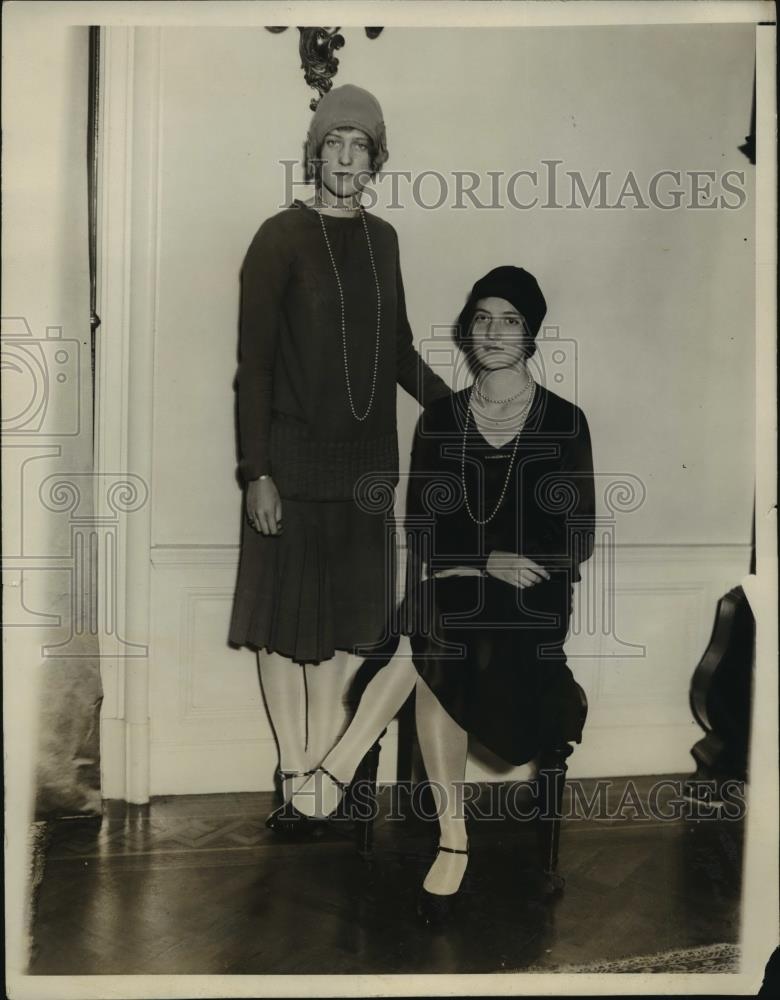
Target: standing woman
324,338
504,474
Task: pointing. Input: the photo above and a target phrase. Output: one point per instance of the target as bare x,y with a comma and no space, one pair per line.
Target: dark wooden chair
549,785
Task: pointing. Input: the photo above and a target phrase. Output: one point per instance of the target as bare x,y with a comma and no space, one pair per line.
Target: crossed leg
383,697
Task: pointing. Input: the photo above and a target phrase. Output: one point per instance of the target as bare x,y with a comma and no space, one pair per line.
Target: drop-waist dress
328,581
494,654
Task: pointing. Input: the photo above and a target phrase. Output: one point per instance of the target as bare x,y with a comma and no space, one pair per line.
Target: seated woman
500,514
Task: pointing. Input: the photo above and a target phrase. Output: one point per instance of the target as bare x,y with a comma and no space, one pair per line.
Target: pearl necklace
510,399
355,414
336,208
523,415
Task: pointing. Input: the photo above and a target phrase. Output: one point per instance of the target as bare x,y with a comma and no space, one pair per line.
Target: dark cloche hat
517,286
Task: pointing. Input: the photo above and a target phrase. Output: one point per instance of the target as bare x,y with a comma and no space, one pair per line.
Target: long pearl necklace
521,419
355,414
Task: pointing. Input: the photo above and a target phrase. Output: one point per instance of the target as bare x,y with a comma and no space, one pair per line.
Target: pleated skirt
493,656
327,583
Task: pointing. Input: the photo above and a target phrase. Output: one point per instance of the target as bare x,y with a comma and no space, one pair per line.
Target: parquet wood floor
196,884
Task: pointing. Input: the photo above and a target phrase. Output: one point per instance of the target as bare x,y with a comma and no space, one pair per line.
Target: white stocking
282,683
326,687
444,746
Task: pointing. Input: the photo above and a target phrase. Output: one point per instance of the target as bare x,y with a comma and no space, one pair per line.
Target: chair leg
550,782
364,806
407,746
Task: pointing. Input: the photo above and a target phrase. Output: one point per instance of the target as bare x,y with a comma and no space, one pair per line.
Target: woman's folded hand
519,571
459,571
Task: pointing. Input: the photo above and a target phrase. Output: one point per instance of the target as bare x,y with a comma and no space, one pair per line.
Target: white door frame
124,369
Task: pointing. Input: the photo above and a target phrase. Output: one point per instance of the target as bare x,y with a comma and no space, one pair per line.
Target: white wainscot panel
655,610
640,627
209,728
215,684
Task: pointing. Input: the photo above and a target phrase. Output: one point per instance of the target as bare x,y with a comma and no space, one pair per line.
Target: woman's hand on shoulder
515,569
264,506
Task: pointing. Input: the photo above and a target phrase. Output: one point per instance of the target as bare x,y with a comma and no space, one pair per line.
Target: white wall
46,397
657,304
660,303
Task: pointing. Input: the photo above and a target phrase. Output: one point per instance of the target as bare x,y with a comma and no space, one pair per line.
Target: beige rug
706,958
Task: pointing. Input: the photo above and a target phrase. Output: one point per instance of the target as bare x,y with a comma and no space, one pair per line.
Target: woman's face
346,162
498,334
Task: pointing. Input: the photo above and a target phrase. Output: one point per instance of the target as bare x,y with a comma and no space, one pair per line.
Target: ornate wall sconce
748,147
318,62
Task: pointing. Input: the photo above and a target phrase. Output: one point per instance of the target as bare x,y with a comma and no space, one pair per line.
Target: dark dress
328,581
491,653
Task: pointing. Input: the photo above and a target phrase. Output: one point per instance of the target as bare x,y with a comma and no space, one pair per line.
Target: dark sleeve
264,277
418,525
579,463
415,514
414,374
566,517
